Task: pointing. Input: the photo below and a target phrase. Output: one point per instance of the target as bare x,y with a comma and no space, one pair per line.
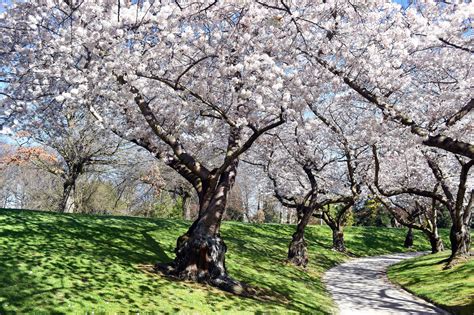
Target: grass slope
78,263
452,289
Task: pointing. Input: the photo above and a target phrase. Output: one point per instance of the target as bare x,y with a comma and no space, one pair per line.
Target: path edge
335,310
443,307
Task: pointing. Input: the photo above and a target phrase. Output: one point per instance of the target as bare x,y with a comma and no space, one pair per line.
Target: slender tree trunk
433,236
436,243
185,205
67,203
409,238
297,251
338,239
394,222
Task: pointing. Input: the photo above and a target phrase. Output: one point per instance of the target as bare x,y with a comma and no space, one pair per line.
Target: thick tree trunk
200,253
460,234
409,238
297,251
338,239
460,237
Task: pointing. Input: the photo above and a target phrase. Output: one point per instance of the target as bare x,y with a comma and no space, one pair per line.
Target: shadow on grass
47,260
56,263
449,289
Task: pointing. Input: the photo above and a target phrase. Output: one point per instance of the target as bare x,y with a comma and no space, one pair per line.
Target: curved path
361,286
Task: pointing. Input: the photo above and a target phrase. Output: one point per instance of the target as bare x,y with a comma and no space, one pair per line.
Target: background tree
312,170
426,180
79,147
412,64
424,57
416,208
22,184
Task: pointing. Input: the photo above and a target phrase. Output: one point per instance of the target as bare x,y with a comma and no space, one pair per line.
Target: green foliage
96,196
453,289
66,263
349,218
444,219
234,214
271,217
372,214
168,208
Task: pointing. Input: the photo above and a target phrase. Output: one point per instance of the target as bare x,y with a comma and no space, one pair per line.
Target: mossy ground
58,263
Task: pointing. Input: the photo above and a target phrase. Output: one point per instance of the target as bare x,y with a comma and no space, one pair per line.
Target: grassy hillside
453,289
77,263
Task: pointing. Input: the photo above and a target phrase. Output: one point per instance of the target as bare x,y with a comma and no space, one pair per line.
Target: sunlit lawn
453,289
78,263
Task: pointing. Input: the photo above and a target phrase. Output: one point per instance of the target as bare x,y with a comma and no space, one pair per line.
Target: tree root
224,283
453,261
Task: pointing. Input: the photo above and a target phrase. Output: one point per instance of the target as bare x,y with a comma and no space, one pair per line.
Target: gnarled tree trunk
409,238
460,234
297,251
200,252
338,239
337,227
460,237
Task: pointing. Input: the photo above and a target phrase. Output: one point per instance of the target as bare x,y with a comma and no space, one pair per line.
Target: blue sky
404,3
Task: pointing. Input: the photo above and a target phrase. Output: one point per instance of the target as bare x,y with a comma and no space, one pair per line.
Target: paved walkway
361,286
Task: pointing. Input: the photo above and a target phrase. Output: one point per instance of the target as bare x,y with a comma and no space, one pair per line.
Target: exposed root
202,259
298,252
224,283
453,261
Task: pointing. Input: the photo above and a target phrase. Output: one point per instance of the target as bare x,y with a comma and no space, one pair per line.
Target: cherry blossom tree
414,65
316,164
430,180
184,81
418,206
198,84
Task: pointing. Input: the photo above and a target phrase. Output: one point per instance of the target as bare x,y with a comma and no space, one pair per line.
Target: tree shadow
57,263
61,263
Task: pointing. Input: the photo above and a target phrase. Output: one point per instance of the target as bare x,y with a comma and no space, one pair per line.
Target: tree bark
288,216
200,252
436,243
460,234
409,238
186,206
67,203
338,239
297,251
460,237
433,235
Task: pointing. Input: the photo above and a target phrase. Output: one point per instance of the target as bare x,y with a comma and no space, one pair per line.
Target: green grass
452,289
56,263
